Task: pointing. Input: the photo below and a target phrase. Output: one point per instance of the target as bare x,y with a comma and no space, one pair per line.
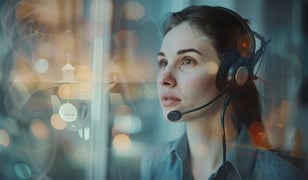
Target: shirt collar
181,151
242,156
181,148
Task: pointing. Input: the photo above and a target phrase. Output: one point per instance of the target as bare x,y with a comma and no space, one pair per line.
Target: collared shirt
172,162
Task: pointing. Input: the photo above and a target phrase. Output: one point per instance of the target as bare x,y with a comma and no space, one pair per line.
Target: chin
165,115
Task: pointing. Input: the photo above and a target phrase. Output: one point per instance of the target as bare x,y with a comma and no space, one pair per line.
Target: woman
207,57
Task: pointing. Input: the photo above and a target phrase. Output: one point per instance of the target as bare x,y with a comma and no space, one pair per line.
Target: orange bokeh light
39,129
121,142
4,138
65,91
258,135
57,122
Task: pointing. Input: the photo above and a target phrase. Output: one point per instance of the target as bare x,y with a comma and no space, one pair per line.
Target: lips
169,101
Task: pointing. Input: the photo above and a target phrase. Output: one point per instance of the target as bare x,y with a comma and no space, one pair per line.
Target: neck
205,144
204,139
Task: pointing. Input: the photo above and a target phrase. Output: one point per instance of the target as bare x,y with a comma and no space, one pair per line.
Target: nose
166,78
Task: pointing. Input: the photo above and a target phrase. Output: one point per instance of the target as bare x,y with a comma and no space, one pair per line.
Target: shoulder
161,152
274,163
152,161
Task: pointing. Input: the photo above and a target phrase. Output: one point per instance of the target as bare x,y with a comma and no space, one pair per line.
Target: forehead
184,36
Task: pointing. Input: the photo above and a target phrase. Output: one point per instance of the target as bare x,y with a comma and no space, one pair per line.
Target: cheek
202,87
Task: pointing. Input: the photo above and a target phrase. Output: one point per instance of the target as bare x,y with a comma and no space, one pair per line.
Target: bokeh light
134,10
128,124
65,91
4,138
121,142
258,135
57,122
22,171
39,129
211,67
51,29
41,66
68,112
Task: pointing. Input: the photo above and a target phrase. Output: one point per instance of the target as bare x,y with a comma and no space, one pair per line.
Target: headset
237,65
235,70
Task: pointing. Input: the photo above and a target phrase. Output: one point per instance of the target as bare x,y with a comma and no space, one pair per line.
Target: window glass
78,88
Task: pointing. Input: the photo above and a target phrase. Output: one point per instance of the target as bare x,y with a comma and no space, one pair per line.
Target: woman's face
188,65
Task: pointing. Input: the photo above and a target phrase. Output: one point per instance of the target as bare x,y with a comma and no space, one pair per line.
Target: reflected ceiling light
84,133
68,71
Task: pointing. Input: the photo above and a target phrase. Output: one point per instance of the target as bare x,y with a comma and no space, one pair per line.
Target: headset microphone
177,115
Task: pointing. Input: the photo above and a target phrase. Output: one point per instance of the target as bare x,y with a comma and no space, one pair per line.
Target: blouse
171,161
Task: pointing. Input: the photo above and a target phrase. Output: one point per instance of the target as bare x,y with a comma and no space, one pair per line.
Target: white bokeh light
68,112
41,66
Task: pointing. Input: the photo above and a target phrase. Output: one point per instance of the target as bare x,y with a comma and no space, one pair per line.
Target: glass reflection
78,93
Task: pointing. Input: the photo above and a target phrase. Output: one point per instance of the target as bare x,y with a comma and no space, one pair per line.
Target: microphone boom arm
177,115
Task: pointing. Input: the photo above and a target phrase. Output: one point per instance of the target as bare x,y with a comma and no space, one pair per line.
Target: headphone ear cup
228,64
238,75
246,45
235,66
233,71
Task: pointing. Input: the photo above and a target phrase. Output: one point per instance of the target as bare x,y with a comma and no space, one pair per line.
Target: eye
188,61
162,63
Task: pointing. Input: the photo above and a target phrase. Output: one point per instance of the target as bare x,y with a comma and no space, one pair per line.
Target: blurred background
78,97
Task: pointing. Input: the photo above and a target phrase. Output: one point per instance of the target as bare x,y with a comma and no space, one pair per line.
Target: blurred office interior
78,83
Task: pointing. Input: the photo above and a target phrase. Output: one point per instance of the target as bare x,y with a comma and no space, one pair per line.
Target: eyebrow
183,51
